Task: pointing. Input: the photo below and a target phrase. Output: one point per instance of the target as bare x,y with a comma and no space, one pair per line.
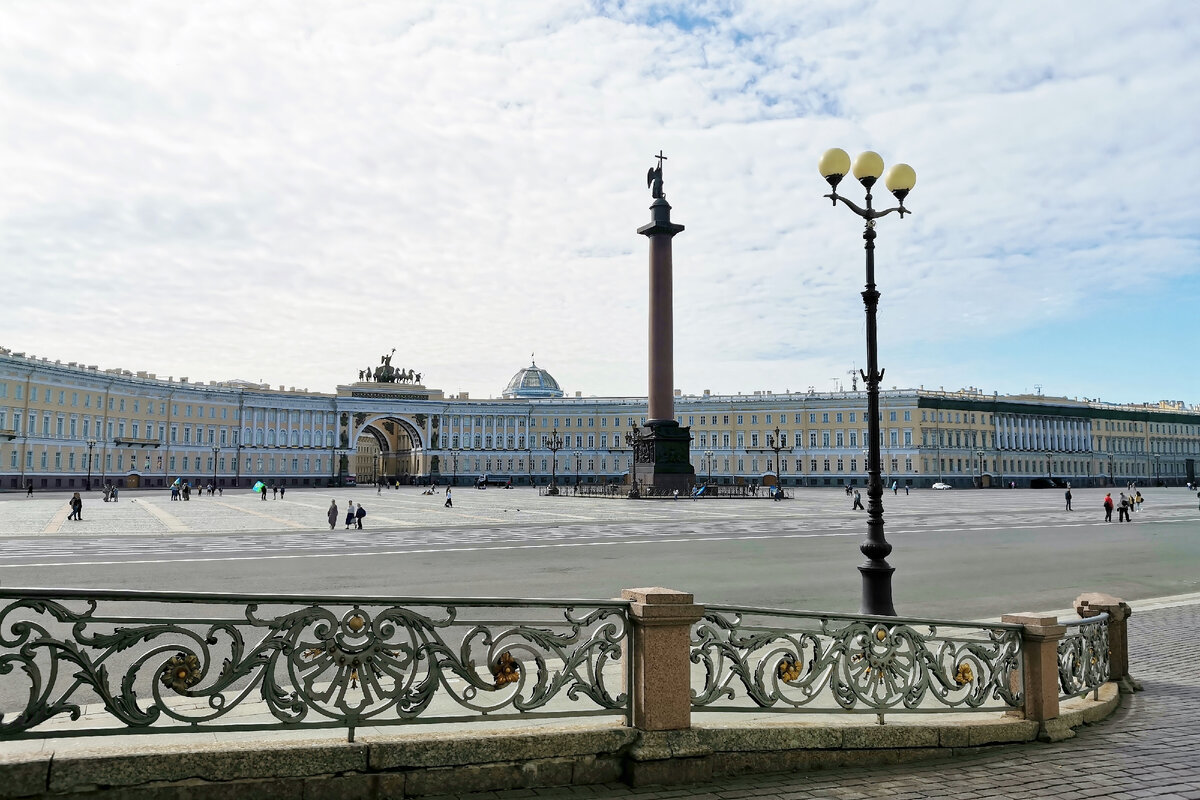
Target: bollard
1091,604
662,619
1039,668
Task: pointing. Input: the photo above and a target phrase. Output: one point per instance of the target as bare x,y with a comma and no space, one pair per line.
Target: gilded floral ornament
506,671
789,669
964,674
181,672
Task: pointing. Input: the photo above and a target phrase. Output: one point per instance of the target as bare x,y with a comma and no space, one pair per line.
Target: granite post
662,622
1039,668
1093,604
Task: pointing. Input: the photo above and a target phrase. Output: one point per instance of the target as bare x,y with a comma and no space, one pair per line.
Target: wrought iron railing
755,659
78,662
1083,657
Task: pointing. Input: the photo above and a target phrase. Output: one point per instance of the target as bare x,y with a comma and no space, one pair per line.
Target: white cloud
285,190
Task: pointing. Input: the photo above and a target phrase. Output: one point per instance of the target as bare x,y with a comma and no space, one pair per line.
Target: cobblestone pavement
150,513
1149,748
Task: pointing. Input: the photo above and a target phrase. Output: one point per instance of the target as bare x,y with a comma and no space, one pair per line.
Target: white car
940,485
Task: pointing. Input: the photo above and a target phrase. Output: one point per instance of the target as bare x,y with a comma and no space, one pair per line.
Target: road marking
56,522
280,520
345,548
423,550
172,522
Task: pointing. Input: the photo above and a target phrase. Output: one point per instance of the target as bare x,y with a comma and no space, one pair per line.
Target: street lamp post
454,458
1157,462
775,442
554,443
91,444
632,437
867,168
708,456
338,468
1049,465
578,464
215,449
979,455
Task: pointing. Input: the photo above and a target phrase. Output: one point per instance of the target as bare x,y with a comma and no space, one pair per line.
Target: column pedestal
662,457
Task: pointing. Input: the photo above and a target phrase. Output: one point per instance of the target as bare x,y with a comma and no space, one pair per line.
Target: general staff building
65,425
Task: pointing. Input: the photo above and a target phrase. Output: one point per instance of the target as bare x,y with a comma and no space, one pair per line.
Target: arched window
295,438
271,438
329,438
258,438
307,438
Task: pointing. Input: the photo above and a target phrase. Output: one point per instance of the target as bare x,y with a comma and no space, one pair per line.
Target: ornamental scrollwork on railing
1083,657
331,662
822,663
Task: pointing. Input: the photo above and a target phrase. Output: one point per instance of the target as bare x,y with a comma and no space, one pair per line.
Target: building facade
63,426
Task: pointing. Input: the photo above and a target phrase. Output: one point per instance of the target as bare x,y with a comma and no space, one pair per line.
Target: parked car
940,485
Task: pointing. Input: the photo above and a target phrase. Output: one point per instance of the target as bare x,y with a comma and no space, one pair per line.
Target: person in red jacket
1108,507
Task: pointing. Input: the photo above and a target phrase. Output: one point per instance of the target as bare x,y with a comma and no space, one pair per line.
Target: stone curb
416,764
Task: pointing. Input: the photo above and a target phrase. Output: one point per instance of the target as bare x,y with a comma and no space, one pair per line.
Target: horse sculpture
386,373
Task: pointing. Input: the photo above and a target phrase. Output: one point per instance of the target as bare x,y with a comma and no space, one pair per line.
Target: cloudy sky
282,191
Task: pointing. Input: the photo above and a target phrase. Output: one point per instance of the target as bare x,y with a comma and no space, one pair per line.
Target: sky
283,191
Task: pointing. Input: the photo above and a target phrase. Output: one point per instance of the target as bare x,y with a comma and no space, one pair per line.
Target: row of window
121,460
47,394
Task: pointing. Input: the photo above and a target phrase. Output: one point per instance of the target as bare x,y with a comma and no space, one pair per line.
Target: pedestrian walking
1123,509
282,490
448,503
263,493
1108,507
1137,501
359,514
29,489
857,502
76,507
332,514
274,491
1068,498
114,493
906,490
350,515
895,487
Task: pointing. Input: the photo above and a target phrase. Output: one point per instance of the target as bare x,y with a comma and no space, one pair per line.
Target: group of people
110,492
182,490
76,507
858,503
1123,507
354,515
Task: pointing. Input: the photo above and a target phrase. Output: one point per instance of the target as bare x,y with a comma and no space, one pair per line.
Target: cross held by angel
654,178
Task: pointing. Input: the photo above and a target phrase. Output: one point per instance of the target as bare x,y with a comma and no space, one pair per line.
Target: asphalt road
957,554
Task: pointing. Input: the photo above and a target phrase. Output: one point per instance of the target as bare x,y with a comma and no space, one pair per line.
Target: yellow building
63,425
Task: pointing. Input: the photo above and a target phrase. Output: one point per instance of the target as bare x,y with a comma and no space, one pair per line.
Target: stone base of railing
419,764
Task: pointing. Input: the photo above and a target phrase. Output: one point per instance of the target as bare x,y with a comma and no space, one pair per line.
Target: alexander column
664,444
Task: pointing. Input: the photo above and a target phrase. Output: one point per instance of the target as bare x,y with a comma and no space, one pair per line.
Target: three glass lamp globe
835,164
